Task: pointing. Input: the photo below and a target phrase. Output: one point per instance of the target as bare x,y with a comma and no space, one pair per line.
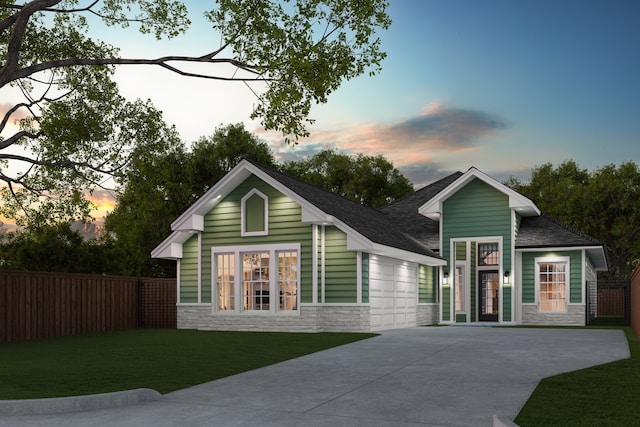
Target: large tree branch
60,164
17,34
163,62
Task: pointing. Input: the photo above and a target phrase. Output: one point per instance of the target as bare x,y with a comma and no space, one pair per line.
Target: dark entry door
488,288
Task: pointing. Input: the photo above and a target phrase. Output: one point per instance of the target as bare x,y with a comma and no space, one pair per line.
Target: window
288,280
267,279
254,214
460,289
255,281
226,285
488,254
551,282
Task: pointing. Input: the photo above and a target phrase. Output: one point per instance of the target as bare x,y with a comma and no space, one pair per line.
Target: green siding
254,213
189,271
476,211
222,228
529,271
365,277
427,289
461,251
506,302
340,268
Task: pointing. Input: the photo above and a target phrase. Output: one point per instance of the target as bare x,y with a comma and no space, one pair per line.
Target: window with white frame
225,265
266,278
254,214
552,282
460,285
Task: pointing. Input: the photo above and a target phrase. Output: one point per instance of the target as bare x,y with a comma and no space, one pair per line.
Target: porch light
445,277
507,273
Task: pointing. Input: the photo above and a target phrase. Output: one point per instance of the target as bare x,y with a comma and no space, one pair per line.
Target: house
264,251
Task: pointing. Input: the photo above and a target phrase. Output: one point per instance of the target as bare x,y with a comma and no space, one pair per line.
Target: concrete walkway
432,376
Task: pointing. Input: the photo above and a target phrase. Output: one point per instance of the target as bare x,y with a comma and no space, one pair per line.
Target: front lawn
604,395
162,359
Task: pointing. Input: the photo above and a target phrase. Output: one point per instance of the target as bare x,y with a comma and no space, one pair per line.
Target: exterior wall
189,271
474,212
222,227
576,308
337,269
321,318
428,314
427,284
340,276
574,316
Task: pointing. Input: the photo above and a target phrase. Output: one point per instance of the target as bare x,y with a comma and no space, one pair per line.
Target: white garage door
393,297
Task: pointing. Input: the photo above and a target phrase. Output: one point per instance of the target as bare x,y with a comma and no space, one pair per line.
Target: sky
500,85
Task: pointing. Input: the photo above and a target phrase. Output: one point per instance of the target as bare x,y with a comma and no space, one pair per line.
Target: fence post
140,304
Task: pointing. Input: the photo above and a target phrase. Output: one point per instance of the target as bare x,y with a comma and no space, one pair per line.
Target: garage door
393,295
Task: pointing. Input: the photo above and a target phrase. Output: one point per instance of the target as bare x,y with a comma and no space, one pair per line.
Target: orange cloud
435,130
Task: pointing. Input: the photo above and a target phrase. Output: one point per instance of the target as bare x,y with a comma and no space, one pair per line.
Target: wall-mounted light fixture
507,273
445,277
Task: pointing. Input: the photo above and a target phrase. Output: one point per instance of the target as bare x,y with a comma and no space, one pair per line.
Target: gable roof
543,231
366,228
405,212
432,208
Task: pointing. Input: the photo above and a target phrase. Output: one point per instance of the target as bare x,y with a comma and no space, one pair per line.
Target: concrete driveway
430,376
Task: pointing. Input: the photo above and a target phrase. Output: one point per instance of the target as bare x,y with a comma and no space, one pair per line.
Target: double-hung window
265,278
552,283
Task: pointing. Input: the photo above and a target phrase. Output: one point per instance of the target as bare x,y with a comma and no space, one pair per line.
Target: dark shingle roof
405,212
545,231
371,223
399,225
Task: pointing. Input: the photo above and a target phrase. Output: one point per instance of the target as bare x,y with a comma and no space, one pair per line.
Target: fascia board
596,253
406,255
516,200
209,199
171,247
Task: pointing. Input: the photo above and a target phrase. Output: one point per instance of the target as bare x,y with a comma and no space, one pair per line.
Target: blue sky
502,85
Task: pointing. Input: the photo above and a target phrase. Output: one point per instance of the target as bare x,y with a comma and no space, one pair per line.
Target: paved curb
90,402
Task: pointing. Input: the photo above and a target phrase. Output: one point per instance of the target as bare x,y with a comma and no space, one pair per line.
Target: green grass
604,395
162,359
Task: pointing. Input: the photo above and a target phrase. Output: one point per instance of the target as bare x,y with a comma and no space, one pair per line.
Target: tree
54,248
159,186
604,204
75,127
368,180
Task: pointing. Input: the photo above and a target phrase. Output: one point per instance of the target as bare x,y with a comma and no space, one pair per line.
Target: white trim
322,263
433,207
199,252
237,250
178,281
243,215
359,277
314,263
567,292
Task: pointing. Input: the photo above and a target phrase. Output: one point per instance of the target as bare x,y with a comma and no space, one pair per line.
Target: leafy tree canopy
604,203
75,127
368,180
158,187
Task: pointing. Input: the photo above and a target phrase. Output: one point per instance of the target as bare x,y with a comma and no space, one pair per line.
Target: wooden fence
635,301
38,305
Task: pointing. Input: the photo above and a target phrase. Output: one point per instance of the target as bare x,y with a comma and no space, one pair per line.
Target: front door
488,287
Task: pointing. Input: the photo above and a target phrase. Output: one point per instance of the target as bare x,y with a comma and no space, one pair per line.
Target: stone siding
322,318
428,314
575,316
